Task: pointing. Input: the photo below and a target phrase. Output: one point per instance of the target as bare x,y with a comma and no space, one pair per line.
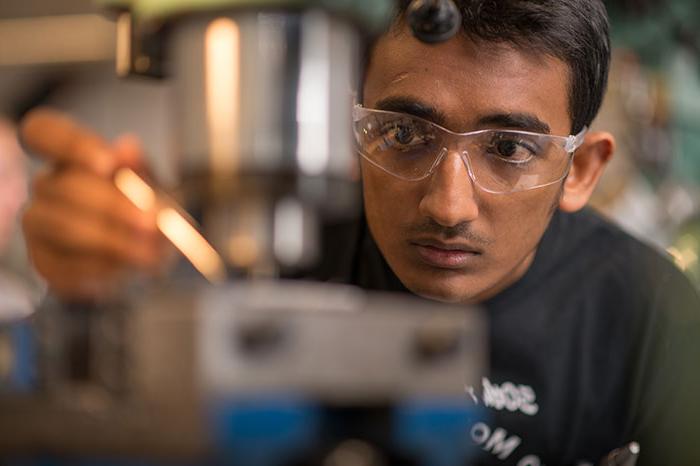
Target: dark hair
574,31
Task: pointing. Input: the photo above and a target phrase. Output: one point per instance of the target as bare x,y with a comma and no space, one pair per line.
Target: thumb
129,153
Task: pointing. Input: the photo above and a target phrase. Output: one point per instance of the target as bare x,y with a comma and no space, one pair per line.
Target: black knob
434,343
433,21
260,338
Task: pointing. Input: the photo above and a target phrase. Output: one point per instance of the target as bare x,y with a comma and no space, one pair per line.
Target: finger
91,196
129,152
78,277
59,139
63,229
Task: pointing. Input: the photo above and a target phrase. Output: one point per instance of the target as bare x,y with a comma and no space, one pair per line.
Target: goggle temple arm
574,142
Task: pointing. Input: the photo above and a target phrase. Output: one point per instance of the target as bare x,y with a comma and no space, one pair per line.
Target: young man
472,194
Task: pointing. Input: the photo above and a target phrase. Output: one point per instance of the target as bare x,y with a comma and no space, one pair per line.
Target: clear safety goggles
497,160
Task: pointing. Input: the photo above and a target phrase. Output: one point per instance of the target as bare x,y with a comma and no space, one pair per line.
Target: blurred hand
84,237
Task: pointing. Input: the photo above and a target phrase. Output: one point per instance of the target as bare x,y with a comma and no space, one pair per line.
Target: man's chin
447,294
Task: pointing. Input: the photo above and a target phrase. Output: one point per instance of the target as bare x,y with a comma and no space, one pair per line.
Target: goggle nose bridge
463,155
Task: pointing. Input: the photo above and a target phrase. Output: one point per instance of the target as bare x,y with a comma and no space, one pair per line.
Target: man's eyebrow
412,107
521,121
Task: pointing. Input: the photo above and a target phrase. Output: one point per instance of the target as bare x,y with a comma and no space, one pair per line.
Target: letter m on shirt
501,446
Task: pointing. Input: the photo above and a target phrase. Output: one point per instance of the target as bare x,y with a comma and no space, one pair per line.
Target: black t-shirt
596,346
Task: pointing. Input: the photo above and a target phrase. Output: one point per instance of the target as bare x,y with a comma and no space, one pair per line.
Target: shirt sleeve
666,413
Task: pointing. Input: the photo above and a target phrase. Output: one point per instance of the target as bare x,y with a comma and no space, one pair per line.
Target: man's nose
449,198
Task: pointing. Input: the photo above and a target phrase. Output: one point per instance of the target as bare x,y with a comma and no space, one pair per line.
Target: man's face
444,237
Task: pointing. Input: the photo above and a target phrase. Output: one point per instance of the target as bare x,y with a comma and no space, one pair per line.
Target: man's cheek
381,197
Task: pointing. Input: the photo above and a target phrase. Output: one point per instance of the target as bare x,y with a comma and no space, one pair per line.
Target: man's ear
588,164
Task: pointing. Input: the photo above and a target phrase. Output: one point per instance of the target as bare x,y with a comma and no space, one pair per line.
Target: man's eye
404,137
512,148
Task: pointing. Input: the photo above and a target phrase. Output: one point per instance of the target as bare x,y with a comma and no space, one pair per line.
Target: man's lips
445,255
